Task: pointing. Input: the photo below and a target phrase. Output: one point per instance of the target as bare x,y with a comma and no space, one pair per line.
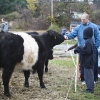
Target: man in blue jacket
78,32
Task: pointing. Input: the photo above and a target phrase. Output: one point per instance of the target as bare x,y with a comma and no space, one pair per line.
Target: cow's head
55,37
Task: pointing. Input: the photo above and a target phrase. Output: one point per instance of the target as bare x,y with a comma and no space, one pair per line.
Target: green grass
66,62
78,95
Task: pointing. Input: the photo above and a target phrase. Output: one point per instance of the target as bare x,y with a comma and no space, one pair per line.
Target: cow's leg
26,75
7,72
40,74
34,71
46,65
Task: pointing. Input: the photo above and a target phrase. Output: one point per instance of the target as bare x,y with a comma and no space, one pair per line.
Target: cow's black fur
32,33
49,56
12,51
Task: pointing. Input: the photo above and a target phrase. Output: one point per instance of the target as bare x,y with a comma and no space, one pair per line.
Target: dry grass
57,82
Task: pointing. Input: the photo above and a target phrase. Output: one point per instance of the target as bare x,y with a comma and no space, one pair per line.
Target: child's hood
87,33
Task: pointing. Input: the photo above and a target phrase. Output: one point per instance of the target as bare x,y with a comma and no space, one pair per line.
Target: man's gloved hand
75,51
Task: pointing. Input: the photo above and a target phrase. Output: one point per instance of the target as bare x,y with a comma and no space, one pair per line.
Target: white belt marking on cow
30,51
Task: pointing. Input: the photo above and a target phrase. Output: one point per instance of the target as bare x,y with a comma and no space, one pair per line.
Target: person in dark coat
88,58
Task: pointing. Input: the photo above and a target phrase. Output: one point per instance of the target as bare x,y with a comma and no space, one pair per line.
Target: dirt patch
57,82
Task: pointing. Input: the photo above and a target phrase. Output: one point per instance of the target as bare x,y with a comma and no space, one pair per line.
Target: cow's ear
53,35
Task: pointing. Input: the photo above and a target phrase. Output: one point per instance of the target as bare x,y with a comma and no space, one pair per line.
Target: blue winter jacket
78,32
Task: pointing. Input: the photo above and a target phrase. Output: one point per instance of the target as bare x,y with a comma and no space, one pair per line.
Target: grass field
59,82
78,95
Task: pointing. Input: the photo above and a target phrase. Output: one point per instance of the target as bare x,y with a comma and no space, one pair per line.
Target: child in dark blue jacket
88,58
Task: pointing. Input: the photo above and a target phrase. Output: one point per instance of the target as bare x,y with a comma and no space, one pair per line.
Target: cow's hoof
26,84
46,70
34,71
43,86
7,94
